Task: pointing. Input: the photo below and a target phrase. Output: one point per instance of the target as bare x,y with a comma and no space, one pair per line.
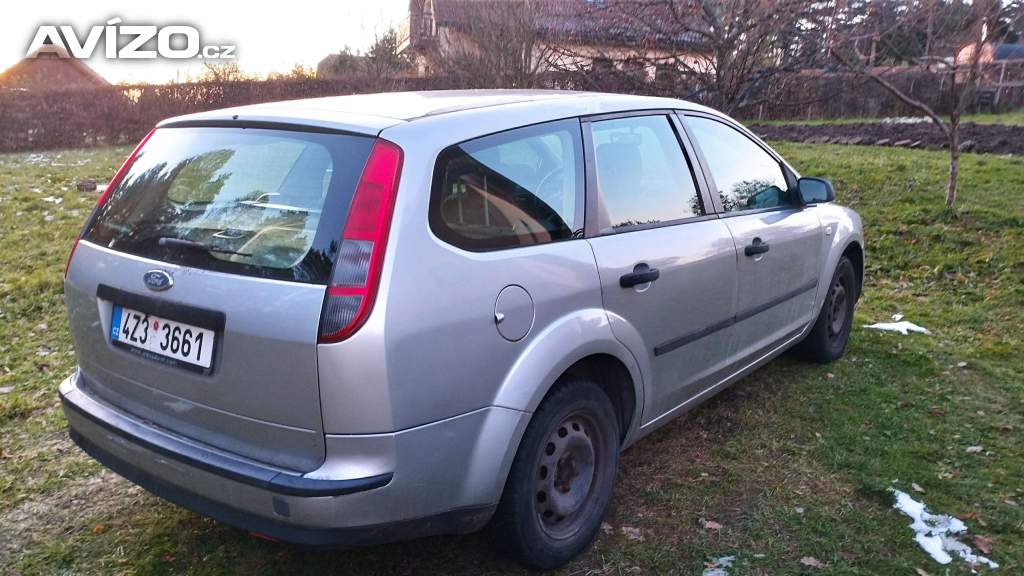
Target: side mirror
815,191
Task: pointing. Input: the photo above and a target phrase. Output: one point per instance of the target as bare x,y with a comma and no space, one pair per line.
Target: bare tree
224,72
494,44
718,51
872,48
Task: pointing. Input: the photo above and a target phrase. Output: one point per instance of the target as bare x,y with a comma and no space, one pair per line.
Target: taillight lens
356,274
104,196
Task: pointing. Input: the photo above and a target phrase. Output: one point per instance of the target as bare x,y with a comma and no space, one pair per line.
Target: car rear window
252,201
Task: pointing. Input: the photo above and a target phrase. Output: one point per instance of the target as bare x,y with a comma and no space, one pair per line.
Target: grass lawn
1015,118
793,462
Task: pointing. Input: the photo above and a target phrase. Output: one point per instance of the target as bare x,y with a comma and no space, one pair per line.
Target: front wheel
827,340
561,480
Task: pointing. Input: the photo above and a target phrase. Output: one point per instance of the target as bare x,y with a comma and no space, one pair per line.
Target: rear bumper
443,477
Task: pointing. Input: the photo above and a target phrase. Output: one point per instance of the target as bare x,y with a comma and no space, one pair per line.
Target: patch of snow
53,199
903,327
631,533
717,567
812,562
935,532
906,120
36,159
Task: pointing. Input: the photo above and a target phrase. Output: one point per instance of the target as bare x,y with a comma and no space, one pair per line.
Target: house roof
616,22
51,68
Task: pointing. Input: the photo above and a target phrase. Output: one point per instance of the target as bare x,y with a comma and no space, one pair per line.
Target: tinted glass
813,190
517,188
642,174
747,177
269,203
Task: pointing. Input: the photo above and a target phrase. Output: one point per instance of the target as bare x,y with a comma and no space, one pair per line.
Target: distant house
993,52
590,34
1002,66
50,68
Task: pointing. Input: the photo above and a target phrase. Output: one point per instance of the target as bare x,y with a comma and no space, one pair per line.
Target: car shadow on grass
666,485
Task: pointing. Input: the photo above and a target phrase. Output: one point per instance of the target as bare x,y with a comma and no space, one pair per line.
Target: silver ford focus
367,318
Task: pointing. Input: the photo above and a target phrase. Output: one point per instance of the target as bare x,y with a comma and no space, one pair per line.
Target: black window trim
283,126
580,213
787,173
711,211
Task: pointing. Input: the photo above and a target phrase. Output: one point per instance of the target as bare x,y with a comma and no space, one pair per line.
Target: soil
986,138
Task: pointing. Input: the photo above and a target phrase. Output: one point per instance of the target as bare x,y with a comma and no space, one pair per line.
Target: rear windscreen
253,201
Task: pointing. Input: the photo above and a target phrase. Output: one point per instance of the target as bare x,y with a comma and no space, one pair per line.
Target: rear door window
250,201
643,176
517,188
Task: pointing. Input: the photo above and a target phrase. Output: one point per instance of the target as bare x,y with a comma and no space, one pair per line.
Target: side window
516,188
747,177
643,177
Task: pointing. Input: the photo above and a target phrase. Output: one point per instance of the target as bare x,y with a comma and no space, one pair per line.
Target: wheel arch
613,377
581,344
854,252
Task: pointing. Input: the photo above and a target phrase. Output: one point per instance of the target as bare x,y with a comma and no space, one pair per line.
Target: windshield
249,201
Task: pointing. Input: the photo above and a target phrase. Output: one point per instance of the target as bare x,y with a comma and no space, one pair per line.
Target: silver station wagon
350,320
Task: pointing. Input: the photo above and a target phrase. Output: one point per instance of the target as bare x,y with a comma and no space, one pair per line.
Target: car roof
371,113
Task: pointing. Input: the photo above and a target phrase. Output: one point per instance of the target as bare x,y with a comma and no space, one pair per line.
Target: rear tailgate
222,234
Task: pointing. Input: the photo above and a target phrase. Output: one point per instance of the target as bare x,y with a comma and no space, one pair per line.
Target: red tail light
356,275
105,195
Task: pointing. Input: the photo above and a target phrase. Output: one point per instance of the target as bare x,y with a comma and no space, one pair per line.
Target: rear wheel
561,480
827,340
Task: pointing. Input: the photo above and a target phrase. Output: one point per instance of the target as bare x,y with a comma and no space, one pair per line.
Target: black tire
565,464
827,340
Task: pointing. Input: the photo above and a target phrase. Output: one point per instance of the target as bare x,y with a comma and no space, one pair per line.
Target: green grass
1015,118
793,461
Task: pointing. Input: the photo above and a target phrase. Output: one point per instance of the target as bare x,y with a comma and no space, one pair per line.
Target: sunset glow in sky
270,37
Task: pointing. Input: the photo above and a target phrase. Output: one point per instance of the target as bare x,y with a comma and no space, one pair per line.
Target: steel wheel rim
838,309
567,472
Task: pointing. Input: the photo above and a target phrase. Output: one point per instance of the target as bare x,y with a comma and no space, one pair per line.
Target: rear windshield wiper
193,245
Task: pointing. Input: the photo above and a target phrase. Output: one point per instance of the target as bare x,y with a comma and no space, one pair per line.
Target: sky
269,37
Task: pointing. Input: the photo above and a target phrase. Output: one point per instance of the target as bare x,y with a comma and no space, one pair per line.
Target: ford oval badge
158,280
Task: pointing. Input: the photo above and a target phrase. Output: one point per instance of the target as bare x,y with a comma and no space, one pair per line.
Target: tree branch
892,89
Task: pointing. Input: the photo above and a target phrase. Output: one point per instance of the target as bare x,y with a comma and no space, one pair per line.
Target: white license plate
166,339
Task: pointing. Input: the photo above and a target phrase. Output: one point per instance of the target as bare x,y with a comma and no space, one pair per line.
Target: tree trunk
954,165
